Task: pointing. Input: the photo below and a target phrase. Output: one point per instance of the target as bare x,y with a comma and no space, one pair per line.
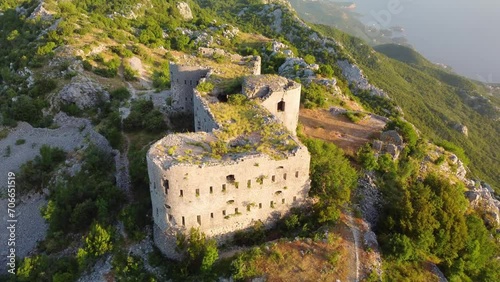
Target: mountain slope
434,101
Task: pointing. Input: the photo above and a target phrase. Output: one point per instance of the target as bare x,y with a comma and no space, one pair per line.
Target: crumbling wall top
261,86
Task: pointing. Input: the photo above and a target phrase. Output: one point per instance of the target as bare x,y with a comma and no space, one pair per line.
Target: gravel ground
98,272
30,227
73,133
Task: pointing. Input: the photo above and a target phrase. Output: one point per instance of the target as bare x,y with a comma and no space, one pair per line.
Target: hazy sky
464,34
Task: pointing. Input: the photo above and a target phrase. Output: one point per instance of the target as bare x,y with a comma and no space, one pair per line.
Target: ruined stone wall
204,120
291,98
256,65
183,80
221,199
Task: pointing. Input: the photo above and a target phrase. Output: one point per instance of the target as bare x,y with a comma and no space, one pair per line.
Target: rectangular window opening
197,192
170,218
198,219
224,212
260,205
294,198
273,178
166,185
297,174
281,106
211,215
282,201
284,176
183,222
236,210
211,189
249,184
182,193
223,187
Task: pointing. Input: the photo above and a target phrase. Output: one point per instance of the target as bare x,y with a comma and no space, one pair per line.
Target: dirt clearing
338,129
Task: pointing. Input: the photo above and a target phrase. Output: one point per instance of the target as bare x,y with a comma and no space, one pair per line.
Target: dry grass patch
338,129
304,260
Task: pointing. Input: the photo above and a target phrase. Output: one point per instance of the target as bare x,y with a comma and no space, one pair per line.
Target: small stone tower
183,80
280,96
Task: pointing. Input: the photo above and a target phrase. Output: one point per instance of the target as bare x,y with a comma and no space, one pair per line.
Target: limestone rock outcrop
461,128
482,198
41,12
82,92
390,142
355,76
371,199
185,11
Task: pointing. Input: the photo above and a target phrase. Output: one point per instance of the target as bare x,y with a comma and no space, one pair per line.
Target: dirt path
122,169
354,271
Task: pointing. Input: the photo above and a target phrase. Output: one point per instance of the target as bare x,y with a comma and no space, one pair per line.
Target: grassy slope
431,102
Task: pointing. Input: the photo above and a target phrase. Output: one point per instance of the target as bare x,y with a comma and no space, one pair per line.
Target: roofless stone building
242,164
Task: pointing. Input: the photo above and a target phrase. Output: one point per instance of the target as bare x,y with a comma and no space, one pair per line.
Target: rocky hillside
85,90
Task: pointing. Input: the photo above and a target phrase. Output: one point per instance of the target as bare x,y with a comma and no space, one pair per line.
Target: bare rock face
461,128
482,199
41,12
355,76
371,199
185,11
83,92
391,142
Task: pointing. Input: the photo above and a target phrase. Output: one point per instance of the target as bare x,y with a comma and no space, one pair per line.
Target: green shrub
120,94
129,74
439,160
310,59
355,116
326,71
314,95
205,87
129,268
457,150
201,253
87,65
97,243
36,174
367,158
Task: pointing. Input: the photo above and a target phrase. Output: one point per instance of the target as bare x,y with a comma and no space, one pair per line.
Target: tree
367,158
201,253
97,243
332,176
310,59
210,256
326,71
451,205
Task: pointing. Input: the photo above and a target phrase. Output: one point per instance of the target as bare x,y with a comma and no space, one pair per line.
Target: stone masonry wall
289,117
204,120
225,198
183,80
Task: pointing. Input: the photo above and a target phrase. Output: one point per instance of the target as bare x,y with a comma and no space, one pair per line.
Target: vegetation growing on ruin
248,127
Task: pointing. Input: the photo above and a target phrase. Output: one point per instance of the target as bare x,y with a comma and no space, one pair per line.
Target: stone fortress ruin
243,163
